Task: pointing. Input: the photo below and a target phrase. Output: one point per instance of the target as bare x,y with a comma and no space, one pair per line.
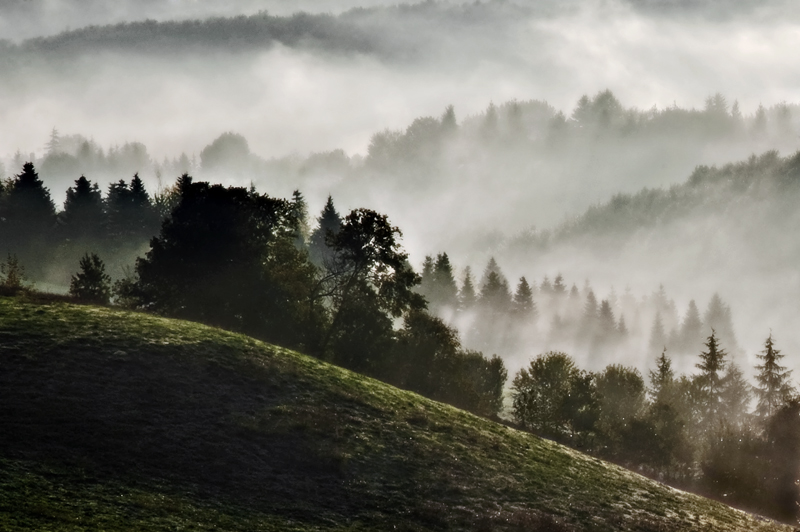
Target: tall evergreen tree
30,217
773,388
711,365
299,209
467,296
735,396
444,282
524,305
662,379
328,225
82,217
495,295
606,323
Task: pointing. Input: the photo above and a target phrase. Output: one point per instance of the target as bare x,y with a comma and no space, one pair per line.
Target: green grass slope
112,420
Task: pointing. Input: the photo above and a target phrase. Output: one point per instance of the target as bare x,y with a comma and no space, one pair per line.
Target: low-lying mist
354,104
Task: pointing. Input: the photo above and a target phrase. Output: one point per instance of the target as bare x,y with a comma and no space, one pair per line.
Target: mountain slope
117,420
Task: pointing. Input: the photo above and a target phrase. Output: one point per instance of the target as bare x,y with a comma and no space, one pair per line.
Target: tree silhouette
328,224
773,388
82,217
524,305
712,363
91,284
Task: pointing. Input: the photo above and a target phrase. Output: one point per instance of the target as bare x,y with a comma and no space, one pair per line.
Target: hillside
120,421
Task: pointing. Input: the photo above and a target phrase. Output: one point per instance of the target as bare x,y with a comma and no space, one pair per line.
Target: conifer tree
328,225
427,283
467,297
445,289
712,363
449,120
299,210
559,288
30,217
82,217
662,379
773,386
524,305
607,325
622,328
735,396
91,284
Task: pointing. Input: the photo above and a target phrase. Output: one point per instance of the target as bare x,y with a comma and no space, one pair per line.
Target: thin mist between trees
247,262
696,432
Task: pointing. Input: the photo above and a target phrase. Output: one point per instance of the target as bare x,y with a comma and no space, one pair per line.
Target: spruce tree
328,225
466,296
91,284
427,282
559,288
607,325
662,379
299,210
445,289
524,305
82,217
773,387
735,396
712,363
30,217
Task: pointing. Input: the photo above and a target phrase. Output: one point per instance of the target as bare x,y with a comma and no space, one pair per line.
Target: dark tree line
118,224
245,261
695,432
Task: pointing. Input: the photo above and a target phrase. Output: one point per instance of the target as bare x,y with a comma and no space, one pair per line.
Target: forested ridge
342,289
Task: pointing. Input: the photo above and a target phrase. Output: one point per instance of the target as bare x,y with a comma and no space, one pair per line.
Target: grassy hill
112,420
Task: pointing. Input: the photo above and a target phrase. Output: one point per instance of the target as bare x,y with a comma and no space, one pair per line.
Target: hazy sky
288,100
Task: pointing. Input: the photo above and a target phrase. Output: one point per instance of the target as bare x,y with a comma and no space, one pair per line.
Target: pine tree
82,217
328,225
607,325
712,363
559,288
427,283
449,120
524,305
445,289
467,297
622,329
735,396
30,217
773,387
662,379
299,210
91,284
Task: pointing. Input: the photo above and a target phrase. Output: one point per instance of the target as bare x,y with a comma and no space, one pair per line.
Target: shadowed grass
122,421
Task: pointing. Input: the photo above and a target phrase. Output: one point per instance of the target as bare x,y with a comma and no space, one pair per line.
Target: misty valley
423,266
